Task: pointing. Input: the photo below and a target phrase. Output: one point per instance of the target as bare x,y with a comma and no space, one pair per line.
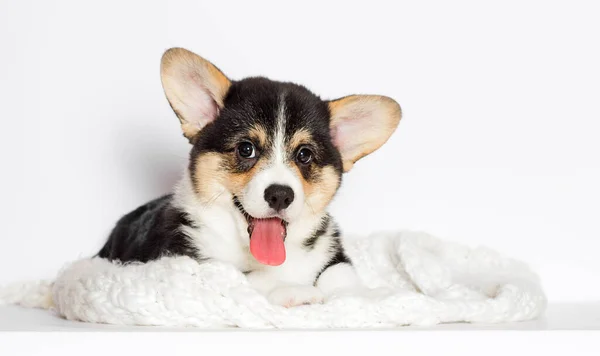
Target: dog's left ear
360,124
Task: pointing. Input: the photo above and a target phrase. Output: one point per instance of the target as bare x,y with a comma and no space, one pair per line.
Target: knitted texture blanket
409,278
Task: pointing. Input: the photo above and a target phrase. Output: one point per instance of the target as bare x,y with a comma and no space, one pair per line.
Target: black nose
279,196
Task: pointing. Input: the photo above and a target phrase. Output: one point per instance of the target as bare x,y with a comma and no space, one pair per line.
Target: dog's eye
304,156
246,150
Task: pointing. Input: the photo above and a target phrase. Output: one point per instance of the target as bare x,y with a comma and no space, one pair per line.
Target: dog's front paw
291,296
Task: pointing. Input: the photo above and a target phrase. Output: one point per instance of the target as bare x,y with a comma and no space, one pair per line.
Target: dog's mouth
267,236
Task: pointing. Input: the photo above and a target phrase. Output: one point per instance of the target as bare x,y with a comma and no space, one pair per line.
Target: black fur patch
310,242
149,232
240,207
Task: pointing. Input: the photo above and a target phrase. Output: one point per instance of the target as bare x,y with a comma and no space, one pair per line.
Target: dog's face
276,149
271,148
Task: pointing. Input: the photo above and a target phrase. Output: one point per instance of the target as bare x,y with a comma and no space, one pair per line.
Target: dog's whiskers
307,203
210,201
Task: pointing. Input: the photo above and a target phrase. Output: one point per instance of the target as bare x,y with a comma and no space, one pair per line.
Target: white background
498,145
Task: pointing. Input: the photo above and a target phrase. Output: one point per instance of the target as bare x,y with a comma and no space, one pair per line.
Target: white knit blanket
409,278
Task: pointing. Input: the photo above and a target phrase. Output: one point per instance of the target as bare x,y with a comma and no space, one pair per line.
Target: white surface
383,342
498,145
581,316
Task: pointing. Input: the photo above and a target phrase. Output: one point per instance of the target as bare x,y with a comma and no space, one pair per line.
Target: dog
266,159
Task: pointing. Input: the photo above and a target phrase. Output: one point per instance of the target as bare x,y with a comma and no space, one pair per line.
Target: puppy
266,159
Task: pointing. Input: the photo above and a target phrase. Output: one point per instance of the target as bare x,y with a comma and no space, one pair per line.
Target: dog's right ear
194,87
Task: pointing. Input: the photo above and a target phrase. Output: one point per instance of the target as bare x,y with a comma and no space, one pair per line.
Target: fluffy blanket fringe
410,278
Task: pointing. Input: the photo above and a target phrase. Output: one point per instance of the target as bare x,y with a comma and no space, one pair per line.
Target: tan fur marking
236,182
209,176
301,137
320,192
386,115
258,133
213,177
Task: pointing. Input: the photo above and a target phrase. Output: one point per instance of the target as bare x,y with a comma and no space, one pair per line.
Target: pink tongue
266,241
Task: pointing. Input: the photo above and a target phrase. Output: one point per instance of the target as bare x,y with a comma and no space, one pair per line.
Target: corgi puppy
266,159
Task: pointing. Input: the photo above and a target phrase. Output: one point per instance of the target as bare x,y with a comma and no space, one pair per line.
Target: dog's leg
262,281
339,279
292,295
284,294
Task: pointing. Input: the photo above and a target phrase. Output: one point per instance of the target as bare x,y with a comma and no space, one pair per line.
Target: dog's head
275,149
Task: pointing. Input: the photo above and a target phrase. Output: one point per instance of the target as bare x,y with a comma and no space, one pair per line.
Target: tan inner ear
373,117
183,72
